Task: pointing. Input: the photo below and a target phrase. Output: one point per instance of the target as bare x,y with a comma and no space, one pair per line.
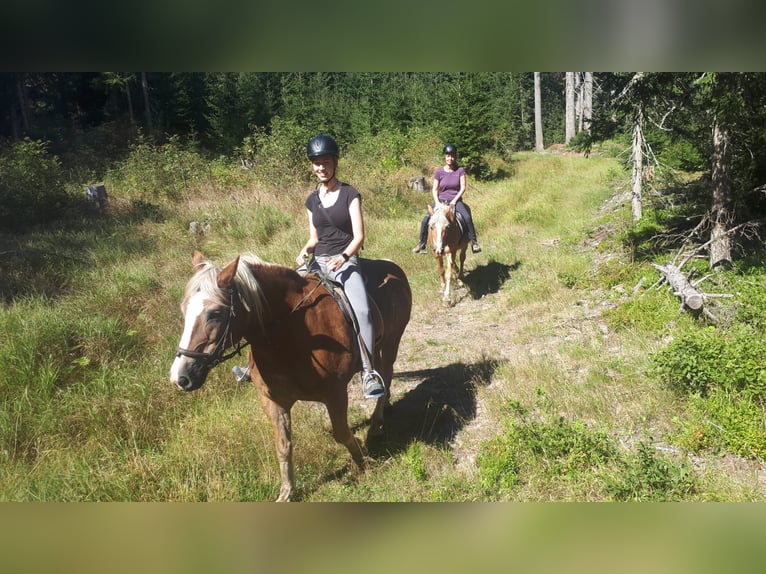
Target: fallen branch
689,295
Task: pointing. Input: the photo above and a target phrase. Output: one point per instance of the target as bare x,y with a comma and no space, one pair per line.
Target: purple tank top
449,183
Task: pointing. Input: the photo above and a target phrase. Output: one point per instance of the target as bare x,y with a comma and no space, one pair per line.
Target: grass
90,323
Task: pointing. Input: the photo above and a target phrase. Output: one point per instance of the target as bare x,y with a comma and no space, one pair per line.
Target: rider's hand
335,263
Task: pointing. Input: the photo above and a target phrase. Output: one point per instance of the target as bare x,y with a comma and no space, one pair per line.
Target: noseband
217,356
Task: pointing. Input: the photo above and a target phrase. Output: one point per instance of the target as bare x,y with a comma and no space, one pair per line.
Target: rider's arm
311,243
460,193
435,190
357,226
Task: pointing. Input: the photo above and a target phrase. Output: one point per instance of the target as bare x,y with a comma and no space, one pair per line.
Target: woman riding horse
336,234
449,187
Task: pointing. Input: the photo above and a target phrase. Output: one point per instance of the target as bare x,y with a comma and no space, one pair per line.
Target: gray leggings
350,275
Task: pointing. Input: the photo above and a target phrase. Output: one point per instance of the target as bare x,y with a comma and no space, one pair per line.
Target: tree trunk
538,116
130,101
147,107
587,99
570,108
21,93
721,212
636,200
578,100
688,294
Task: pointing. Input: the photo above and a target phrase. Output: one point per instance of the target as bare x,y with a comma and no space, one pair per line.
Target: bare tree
578,101
587,101
637,154
721,211
538,115
570,107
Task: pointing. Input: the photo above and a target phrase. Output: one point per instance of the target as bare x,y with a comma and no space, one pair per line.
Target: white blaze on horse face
438,235
194,308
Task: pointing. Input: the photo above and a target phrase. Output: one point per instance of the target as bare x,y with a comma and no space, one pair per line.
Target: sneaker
419,248
372,385
242,373
475,247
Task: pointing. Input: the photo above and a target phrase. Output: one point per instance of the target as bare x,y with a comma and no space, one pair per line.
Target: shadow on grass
489,278
40,261
434,411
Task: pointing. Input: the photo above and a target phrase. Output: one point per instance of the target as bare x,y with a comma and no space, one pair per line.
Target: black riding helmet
449,149
322,144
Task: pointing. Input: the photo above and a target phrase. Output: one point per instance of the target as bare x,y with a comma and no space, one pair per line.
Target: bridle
217,356
447,223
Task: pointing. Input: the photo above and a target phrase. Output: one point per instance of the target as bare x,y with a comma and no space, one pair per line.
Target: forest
86,122
607,343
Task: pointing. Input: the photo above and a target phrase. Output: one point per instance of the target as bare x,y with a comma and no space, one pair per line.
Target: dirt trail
446,352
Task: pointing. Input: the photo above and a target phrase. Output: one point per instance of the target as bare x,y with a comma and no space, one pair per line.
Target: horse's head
442,216
210,322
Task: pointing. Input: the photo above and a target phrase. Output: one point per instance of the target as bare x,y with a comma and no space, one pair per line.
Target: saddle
461,223
335,288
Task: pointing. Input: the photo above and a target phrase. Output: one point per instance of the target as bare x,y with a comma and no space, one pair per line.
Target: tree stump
417,183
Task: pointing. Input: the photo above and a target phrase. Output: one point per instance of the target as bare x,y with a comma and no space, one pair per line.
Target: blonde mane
250,292
440,213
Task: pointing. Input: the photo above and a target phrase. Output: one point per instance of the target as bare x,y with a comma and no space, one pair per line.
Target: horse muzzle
187,374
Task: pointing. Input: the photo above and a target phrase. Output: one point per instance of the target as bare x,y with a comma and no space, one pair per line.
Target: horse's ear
226,275
430,209
197,258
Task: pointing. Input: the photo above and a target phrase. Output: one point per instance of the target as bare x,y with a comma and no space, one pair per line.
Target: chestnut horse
447,239
302,345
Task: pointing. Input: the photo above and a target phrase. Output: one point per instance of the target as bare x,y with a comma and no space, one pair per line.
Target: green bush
701,360
646,476
158,172
751,303
682,155
650,313
31,185
278,153
723,422
498,467
560,447
383,151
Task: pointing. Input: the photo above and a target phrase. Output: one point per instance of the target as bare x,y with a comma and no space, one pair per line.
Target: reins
218,356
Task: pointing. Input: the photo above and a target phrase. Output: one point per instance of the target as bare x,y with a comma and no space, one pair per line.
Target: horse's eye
214,315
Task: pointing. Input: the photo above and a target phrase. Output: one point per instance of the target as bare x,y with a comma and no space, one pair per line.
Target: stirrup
475,247
372,385
419,247
242,373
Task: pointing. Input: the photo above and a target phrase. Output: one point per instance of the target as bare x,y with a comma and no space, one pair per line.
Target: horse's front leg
440,269
282,424
448,273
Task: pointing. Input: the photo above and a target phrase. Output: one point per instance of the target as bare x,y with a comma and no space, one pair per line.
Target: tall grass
87,334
